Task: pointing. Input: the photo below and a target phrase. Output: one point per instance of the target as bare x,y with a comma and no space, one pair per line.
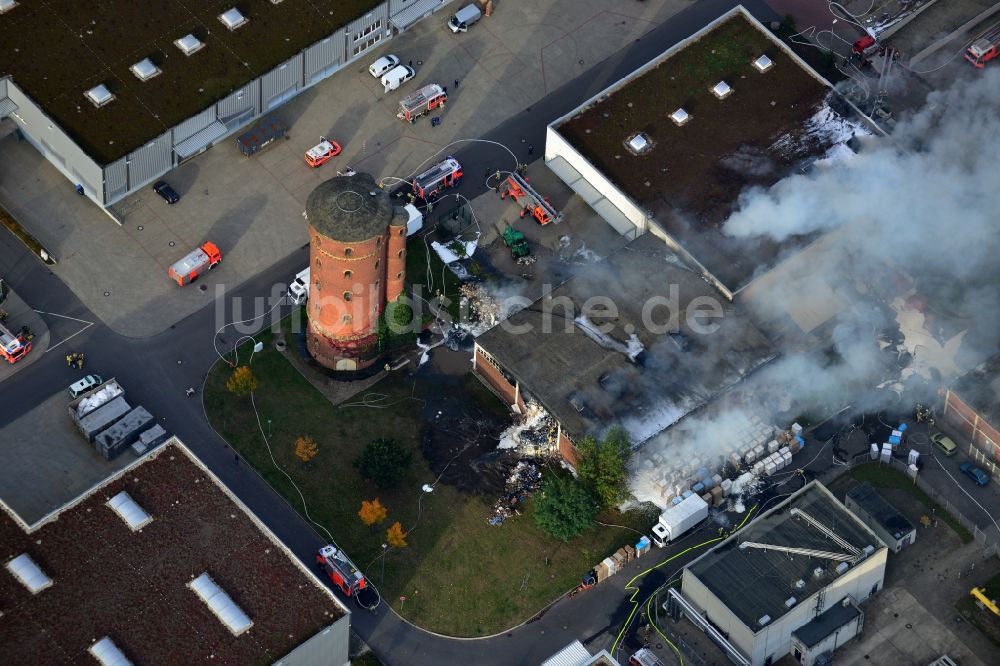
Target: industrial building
357,260
116,96
883,518
162,564
575,654
972,407
789,582
669,148
642,366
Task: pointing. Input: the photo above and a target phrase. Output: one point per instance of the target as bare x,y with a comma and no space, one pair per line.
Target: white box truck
298,290
678,519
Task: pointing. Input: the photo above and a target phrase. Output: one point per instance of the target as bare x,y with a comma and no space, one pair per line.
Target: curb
20,233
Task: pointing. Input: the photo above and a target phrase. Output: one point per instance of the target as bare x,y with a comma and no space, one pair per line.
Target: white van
397,76
463,18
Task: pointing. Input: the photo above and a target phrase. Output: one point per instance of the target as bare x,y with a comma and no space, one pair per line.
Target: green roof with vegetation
57,50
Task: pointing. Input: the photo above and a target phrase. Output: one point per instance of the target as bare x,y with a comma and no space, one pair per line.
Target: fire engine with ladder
985,48
441,175
517,188
13,347
422,102
341,570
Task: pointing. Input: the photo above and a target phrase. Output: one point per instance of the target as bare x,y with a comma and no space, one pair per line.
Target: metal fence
990,544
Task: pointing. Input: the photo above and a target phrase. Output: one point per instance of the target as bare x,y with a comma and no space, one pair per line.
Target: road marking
82,321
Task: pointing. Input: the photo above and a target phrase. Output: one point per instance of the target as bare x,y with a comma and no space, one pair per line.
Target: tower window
399,254
376,263
378,240
348,251
348,274
319,264
318,286
346,319
348,296
399,275
402,230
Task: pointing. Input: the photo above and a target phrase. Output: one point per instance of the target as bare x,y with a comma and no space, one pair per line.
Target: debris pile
524,479
482,308
534,435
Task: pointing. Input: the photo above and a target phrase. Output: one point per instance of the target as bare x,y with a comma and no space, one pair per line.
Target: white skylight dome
763,64
722,90
189,44
144,70
99,95
639,143
106,652
680,116
30,574
133,514
7,5
232,18
221,604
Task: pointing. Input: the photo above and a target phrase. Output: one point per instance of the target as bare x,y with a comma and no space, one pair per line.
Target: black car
168,193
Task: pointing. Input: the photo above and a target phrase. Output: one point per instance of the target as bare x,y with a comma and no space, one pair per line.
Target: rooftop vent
26,571
130,512
189,44
7,5
144,70
800,583
639,143
99,95
842,567
106,652
221,604
722,90
232,19
275,2
763,64
817,572
764,619
869,549
680,116
790,601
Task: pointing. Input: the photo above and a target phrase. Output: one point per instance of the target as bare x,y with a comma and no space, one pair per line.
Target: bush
565,509
384,462
603,466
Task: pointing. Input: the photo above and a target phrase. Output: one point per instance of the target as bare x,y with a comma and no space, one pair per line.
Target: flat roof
827,622
692,177
55,51
132,586
980,389
891,520
589,385
727,570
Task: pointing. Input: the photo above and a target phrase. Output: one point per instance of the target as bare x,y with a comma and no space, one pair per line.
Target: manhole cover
139,228
107,293
580,61
171,243
179,361
909,626
659,646
350,201
202,287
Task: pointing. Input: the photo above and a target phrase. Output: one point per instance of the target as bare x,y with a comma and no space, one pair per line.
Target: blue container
686,494
703,472
902,427
708,482
698,488
894,440
677,500
801,441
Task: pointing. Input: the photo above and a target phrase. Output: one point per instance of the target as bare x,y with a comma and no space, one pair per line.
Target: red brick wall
495,378
567,449
967,421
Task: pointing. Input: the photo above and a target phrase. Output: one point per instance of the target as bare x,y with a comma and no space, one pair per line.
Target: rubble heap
524,479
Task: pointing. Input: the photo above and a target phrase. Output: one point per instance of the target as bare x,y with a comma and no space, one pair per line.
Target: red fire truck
341,570
422,102
13,347
441,175
194,263
985,48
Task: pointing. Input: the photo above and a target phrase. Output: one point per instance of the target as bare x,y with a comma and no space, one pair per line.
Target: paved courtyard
252,208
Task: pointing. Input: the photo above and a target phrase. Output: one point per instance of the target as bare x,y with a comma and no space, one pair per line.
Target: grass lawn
460,576
984,620
885,477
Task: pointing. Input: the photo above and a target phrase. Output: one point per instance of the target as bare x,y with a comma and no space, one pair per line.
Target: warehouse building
883,518
613,347
669,148
972,407
116,97
789,582
162,564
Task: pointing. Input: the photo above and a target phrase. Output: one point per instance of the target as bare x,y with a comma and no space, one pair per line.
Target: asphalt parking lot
252,208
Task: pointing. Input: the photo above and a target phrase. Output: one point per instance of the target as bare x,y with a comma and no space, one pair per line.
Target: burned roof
880,510
58,49
765,124
980,389
132,585
638,367
349,209
779,576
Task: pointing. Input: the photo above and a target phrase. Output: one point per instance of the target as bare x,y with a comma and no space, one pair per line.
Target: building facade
357,260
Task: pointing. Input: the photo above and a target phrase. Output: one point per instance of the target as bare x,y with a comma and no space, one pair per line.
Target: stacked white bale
772,446
727,486
788,458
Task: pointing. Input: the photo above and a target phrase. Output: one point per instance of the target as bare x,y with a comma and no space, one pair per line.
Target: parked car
463,18
944,444
168,193
78,388
397,76
382,65
322,152
980,477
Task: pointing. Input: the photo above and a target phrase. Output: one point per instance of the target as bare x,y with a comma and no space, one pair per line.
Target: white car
383,65
84,385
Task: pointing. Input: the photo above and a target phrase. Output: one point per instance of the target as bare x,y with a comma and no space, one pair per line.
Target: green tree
603,466
384,461
564,508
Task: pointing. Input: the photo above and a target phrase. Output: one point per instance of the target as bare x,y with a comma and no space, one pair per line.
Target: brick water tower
357,259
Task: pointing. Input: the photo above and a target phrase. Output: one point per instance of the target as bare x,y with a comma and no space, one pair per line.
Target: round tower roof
349,209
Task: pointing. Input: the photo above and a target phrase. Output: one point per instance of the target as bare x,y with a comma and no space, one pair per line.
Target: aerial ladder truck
517,188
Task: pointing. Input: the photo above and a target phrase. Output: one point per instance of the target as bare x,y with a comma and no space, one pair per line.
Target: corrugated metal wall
364,33
242,103
115,180
194,124
150,161
57,147
323,58
3,87
281,83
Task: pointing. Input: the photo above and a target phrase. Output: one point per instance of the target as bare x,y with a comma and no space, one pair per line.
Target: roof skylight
133,514
763,64
233,19
722,90
221,604
144,70
189,44
29,573
99,95
680,116
106,652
